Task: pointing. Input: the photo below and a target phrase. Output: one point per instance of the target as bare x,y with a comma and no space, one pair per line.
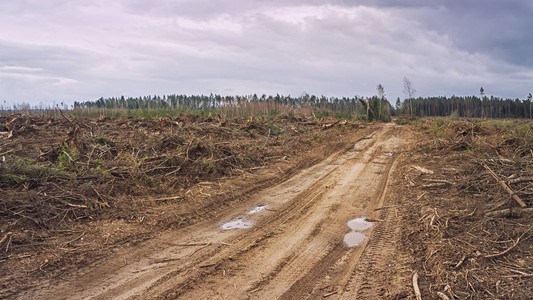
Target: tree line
373,108
469,106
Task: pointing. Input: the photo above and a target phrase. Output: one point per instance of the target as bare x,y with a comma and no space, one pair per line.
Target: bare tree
381,96
409,90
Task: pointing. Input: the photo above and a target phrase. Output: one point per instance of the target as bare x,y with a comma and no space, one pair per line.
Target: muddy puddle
356,236
237,224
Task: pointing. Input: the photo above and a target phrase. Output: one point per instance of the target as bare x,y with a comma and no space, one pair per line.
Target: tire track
297,208
309,248
379,256
327,270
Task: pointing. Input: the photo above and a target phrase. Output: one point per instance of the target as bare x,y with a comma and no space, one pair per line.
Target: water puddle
356,237
258,209
359,224
388,153
237,224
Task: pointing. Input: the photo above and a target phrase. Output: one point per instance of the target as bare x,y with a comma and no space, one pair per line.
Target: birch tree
409,90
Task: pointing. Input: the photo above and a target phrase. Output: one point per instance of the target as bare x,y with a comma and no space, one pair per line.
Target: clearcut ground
294,248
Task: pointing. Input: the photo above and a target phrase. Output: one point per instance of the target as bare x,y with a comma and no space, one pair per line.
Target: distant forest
470,106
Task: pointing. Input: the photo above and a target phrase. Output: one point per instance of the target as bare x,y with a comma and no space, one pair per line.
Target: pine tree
398,105
529,98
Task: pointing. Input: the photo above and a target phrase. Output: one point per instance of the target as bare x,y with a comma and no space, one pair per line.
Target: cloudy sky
67,50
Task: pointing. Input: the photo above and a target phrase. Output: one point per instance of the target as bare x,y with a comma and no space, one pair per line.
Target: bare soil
421,185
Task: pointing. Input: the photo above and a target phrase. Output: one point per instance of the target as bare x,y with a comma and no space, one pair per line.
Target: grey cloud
339,48
499,28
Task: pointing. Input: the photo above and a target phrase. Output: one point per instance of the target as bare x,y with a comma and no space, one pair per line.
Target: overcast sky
67,50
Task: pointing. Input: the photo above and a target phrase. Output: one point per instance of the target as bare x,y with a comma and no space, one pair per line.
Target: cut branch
520,179
504,185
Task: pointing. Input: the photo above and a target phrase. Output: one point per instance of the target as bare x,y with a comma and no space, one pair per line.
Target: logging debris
478,245
75,187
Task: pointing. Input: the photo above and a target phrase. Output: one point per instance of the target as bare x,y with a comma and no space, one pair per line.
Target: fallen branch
329,294
169,198
415,286
521,273
103,203
439,181
9,242
443,296
7,152
7,134
76,205
202,247
373,220
436,185
423,170
206,266
255,290
460,262
508,213
420,197
65,117
504,185
5,237
79,237
505,251
520,179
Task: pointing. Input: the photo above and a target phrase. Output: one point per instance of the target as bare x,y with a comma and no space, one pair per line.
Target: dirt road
294,248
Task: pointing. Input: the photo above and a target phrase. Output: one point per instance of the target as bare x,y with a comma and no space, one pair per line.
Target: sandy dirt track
295,249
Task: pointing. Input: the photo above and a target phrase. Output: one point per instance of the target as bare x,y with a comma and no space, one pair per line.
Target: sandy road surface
294,250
